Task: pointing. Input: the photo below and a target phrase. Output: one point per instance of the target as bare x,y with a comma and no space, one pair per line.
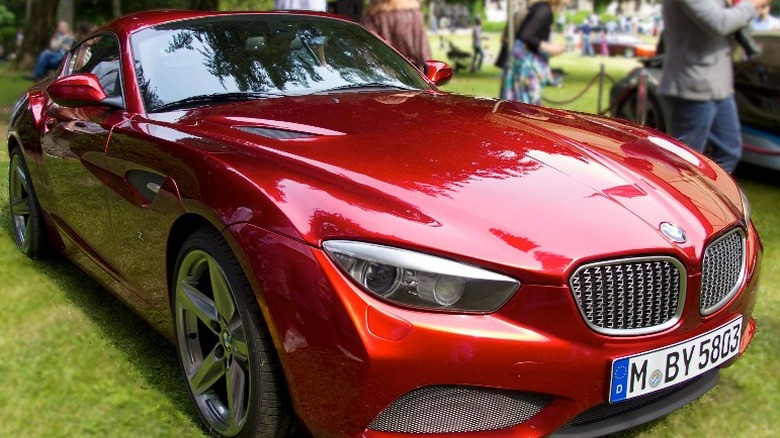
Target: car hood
476,179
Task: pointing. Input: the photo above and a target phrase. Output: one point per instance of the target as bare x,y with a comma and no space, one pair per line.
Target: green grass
75,362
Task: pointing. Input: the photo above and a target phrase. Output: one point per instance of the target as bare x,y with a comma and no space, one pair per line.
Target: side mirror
438,72
78,91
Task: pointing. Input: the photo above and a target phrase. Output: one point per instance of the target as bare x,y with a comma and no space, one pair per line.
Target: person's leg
691,121
54,60
41,65
587,46
481,57
725,136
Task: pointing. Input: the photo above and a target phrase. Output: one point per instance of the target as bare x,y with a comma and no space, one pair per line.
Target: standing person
18,40
697,76
400,22
603,43
529,71
49,59
587,47
570,35
476,39
560,22
765,21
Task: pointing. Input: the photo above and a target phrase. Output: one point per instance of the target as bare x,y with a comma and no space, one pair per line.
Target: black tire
654,117
223,343
27,221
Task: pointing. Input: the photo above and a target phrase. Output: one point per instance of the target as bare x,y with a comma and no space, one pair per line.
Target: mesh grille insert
630,296
722,270
451,409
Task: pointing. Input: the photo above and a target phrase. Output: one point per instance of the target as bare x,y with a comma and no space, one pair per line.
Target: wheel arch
628,96
13,142
188,224
182,228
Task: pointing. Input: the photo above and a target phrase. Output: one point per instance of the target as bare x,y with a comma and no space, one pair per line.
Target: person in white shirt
765,21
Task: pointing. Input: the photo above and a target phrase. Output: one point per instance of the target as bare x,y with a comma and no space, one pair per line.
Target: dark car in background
757,91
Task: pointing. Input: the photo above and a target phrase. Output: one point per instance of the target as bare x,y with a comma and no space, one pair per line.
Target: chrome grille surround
722,271
631,296
453,409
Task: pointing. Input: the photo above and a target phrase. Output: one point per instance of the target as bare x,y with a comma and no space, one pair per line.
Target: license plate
643,373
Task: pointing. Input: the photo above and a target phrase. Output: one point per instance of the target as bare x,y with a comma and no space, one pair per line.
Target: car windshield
262,56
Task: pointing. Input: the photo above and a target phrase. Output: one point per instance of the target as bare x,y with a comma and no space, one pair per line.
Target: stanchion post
601,88
641,98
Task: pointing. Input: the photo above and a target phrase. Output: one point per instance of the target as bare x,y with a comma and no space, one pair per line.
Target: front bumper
348,356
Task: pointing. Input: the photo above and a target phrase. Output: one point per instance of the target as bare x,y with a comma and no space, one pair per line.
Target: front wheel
654,116
225,351
26,218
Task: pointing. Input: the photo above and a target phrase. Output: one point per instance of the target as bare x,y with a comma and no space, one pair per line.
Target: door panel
144,204
73,147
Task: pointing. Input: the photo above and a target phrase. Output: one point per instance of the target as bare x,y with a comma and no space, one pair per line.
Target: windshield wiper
366,85
213,97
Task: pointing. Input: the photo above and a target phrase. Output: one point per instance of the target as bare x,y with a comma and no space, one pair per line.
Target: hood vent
277,134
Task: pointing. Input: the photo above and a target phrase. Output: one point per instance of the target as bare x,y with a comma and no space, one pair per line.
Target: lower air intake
452,409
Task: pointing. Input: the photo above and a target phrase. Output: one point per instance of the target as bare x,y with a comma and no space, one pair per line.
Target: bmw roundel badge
673,232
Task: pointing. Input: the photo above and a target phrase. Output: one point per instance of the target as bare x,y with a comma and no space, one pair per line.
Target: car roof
132,23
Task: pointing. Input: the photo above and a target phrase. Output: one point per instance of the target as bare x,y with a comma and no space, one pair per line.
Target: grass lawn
76,362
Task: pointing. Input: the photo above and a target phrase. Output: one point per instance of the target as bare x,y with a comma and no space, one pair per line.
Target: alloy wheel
21,202
212,343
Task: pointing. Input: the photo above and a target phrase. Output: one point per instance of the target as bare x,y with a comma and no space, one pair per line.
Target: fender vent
277,134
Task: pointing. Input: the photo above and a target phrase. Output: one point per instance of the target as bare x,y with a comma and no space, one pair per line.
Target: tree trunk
116,8
65,12
37,32
204,5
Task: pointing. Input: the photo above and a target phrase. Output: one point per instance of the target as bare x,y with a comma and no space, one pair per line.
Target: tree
600,6
6,16
37,31
204,5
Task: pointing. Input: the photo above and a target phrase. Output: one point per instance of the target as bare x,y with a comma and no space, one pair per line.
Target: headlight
414,279
746,210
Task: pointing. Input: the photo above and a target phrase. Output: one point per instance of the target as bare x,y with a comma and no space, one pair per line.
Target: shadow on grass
151,354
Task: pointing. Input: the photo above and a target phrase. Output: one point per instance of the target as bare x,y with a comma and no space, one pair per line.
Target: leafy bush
6,17
7,36
579,16
493,26
606,17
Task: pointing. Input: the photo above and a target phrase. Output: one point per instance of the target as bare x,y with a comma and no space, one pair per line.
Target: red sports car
335,245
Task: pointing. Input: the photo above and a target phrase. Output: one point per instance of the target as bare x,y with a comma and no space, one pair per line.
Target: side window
99,56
